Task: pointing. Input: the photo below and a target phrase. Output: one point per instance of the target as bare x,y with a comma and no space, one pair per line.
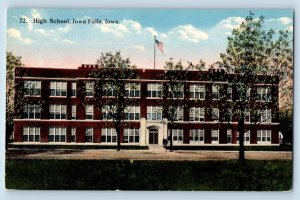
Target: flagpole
154,50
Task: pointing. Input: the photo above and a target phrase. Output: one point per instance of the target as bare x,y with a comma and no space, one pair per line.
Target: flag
159,45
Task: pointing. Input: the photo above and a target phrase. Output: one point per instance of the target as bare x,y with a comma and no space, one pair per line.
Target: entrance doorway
153,136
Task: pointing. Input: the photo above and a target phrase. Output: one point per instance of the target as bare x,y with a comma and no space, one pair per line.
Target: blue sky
189,35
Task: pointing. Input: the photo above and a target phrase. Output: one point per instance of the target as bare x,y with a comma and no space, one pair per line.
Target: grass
236,148
149,175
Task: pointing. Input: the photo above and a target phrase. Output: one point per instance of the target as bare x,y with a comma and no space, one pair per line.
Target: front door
153,136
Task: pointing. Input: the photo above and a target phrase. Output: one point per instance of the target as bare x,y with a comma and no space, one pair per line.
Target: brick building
55,111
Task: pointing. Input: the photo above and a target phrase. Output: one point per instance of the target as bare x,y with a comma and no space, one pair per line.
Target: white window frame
89,112
215,134
133,90
266,116
73,89
263,135
32,88
73,111
89,135
32,108
154,113
108,89
178,114
229,93
110,135
89,89
229,135
197,92
247,136
215,114
154,90
132,111
58,133
131,135
58,89
178,92
31,134
197,136
177,136
264,94
197,114
59,111
73,135
215,92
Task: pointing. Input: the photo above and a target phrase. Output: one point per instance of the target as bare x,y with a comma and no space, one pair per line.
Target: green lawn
149,175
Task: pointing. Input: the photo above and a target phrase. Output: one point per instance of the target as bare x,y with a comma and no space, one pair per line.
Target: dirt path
144,155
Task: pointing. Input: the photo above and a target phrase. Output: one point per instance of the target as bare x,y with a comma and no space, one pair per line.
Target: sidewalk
154,153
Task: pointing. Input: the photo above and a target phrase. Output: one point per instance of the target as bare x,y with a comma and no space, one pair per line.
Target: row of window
109,135
33,111
154,90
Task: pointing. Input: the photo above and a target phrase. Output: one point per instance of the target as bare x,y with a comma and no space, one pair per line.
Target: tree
253,54
12,62
175,89
112,82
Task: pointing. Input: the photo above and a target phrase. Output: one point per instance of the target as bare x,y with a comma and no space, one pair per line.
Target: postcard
149,99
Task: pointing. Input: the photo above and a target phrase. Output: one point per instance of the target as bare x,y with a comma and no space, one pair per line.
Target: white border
74,195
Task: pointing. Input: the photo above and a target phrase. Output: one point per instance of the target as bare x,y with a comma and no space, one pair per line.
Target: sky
187,34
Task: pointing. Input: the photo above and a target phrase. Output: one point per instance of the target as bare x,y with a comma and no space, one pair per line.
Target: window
246,137
176,91
32,88
58,111
177,136
74,90
131,135
248,94
263,136
247,116
32,111
89,89
244,92
215,92
89,134
57,134
196,136
228,115
229,93
107,112
154,90
73,134
132,90
197,114
132,113
31,134
154,113
109,135
229,136
215,136
89,112
197,92
178,113
73,113
108,89
263,94
58,88
266,116
215,114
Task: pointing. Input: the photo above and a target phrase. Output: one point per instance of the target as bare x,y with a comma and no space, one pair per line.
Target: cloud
125,27
40,30
69,41
14,33
189,33
151,30
163,35
231,22
284,20
35,14
65,29
139,47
